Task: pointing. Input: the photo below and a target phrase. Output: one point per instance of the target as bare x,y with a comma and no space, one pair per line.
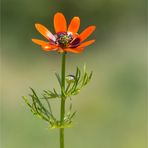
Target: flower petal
74,25
39,42
86,44
86,33
45,32
75,42
60,50
60,24
74,50
48,47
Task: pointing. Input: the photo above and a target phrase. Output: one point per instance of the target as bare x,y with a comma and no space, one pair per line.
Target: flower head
64,40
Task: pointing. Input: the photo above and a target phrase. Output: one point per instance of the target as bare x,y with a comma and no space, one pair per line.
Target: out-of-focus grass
111,110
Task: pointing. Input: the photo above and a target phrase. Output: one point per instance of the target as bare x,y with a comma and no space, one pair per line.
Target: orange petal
86,43
60,50
74,25
74,50
48,47
86,33
39,42
60,24
45,32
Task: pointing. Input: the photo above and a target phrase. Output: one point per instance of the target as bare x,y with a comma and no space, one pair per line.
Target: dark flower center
75,43
64,39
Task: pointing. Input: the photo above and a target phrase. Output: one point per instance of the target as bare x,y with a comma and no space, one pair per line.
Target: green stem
62,100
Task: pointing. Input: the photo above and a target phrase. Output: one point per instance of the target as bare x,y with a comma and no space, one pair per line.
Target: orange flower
65,40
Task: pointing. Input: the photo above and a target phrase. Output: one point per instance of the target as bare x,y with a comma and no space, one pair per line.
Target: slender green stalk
62,99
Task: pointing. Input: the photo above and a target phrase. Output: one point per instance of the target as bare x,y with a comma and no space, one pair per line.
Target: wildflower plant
63,41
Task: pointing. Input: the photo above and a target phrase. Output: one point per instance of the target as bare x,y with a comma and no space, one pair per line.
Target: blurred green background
111,110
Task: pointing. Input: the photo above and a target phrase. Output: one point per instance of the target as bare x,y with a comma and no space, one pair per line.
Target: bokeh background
111,110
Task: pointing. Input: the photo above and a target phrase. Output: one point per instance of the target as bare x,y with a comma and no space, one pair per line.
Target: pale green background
111,110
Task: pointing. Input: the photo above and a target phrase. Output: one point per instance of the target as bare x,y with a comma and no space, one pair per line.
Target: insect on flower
65,40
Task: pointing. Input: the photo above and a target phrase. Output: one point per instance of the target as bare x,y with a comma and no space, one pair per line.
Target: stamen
64,39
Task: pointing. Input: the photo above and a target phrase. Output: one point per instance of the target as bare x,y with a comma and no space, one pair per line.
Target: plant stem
62,99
